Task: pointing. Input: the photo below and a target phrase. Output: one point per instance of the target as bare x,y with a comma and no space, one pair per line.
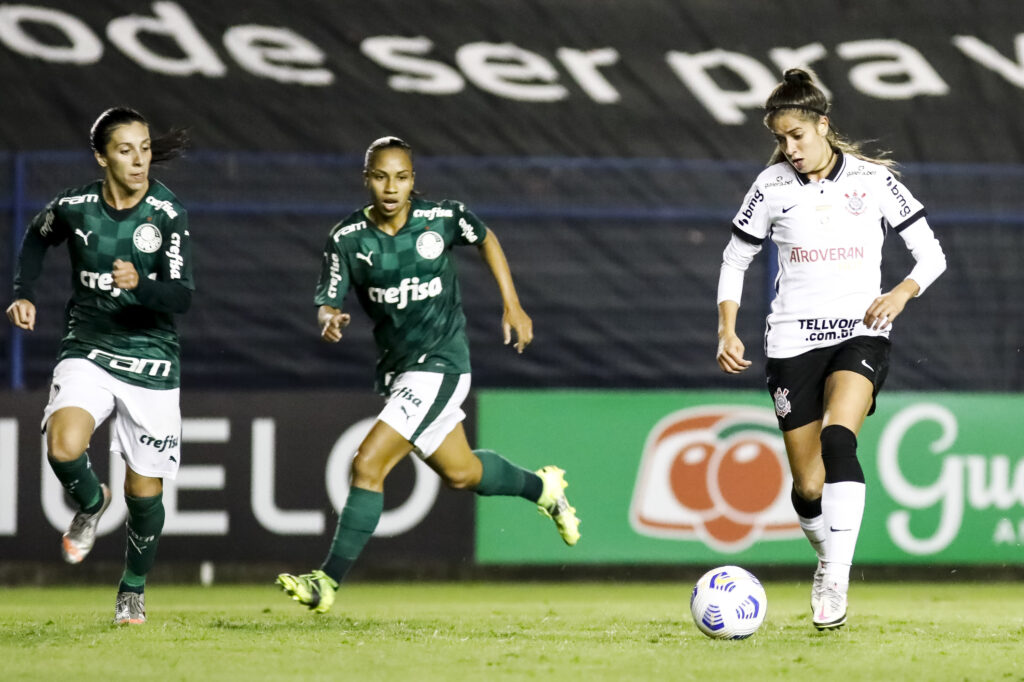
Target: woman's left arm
930,262
514,317
169,288
163,297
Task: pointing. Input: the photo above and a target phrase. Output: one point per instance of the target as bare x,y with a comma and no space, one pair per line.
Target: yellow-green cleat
315,590
555,505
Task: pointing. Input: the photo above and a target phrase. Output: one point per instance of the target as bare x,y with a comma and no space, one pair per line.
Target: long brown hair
165,147
798,95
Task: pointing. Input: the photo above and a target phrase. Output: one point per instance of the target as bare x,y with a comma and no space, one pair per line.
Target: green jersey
406,283
104,324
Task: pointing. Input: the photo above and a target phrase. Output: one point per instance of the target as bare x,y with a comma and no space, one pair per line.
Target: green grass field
508,631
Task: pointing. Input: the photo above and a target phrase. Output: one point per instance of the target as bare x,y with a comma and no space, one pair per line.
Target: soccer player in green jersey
396,253
128,241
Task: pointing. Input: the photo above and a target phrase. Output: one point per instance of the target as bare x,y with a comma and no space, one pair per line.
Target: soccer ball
728,602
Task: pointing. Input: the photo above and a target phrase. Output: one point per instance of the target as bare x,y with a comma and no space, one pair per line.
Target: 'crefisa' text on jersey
104,324
406,283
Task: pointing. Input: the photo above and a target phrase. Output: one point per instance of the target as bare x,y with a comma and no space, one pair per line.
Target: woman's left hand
517,319
125,275
884,309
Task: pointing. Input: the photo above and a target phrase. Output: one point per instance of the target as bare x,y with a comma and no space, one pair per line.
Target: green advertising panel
701,477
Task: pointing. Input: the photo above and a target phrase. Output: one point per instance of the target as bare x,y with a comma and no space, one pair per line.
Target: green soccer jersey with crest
104,324
406,283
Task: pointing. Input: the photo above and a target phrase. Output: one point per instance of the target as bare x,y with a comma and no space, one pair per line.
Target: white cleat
78,541
831,612
817,587
130,609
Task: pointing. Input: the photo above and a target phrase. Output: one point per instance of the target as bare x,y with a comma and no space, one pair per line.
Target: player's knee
461,479
808,482
839,454
367,471
64,447
806,499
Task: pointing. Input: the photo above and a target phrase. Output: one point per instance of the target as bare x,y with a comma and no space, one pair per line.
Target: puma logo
368,257
83,235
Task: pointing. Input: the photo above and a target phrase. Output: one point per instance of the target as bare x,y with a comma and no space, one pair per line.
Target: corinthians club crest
856,204
782,404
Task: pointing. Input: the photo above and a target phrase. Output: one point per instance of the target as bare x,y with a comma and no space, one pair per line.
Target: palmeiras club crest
147,238
430,245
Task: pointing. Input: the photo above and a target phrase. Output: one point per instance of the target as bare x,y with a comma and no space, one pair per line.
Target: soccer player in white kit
827,208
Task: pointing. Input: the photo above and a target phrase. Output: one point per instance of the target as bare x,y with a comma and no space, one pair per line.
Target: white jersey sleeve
753,221
930,261
898,206
906,215
735,260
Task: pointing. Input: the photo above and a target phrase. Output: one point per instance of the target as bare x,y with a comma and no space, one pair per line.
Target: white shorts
425,407
147,422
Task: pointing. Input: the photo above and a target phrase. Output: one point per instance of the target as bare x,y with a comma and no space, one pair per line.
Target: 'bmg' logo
716,474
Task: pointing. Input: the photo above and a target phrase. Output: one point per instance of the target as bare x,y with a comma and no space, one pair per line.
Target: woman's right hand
730,354
22,313
332,321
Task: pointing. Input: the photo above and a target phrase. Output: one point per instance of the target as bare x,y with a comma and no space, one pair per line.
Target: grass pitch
508,631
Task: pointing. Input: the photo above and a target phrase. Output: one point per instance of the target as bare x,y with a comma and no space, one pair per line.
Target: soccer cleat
130,609
831,612
817,587
78,541
554,505
315,590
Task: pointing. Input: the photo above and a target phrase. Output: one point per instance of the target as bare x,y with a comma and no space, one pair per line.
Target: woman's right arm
22,312
730,348
735,260
331,321
331,289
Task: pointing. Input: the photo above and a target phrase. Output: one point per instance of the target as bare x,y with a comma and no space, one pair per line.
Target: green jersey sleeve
332,287
472,230
176,264
46,229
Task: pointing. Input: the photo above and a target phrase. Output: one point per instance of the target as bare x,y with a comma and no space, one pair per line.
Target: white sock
842,509
814,530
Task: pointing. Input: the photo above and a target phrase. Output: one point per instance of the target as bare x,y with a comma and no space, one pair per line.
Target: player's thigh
795,386
455,462
80,399
378,453
425,407
848,398
147,430
803,449
68,432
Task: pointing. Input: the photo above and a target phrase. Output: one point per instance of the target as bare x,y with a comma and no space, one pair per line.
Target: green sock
81,482
355,526
145,522
502,477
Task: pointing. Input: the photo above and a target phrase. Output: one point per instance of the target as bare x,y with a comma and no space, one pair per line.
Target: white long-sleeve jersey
829,236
